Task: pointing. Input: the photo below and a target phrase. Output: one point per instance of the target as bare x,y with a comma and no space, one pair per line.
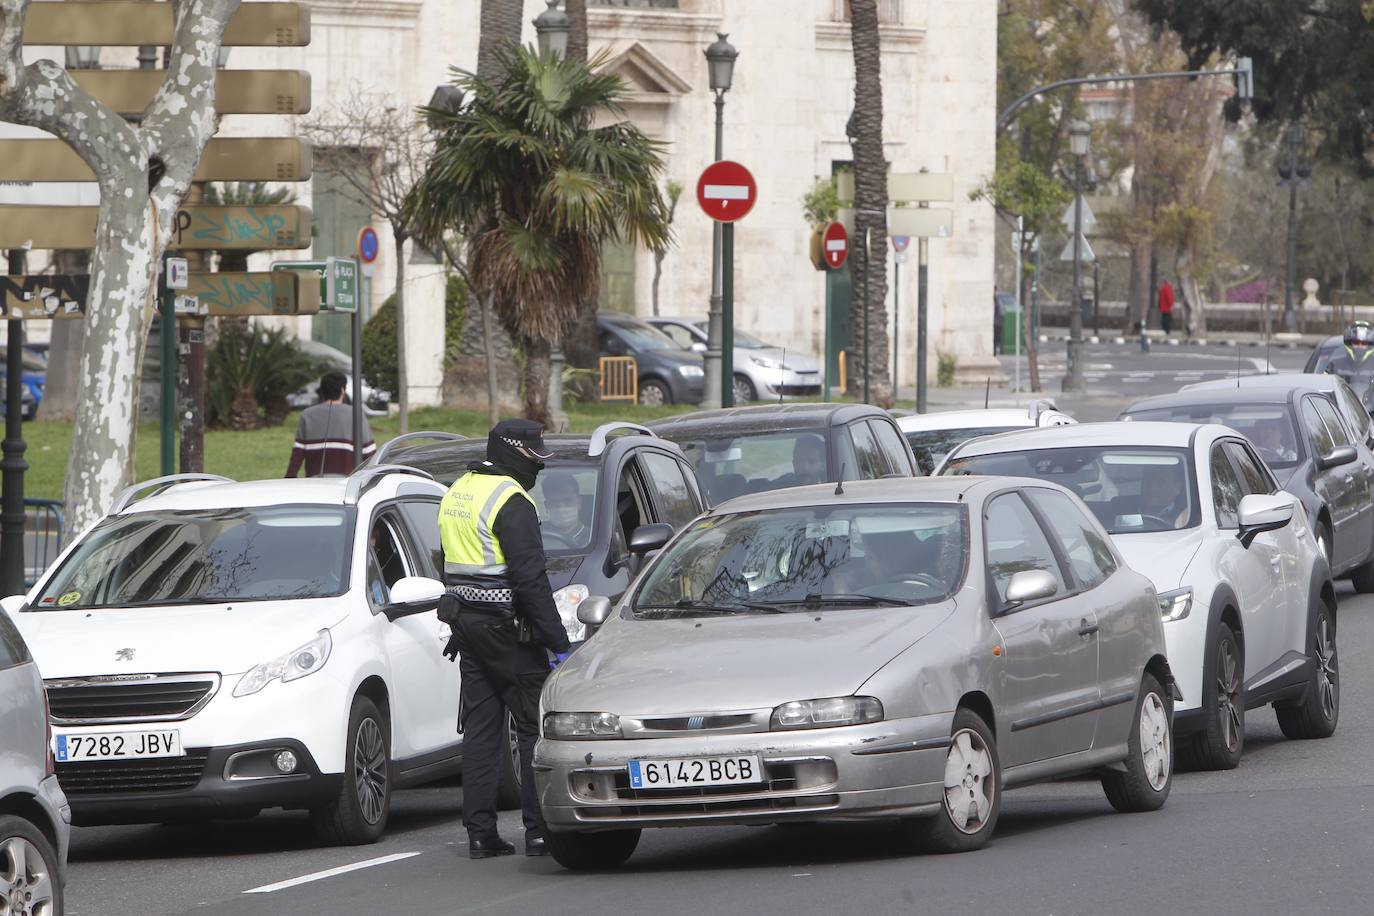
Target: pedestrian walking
1166,307
504,622
324,435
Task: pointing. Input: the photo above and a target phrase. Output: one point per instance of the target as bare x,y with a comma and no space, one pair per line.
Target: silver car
35,821
905,648
762,371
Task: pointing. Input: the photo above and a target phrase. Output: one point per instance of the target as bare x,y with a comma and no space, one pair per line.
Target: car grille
115,777
789,788
129,698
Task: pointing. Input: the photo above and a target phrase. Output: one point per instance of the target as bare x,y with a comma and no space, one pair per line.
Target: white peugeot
934,435
1246,596
215,648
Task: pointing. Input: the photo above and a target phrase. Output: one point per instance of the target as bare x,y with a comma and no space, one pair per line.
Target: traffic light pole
168,373
922,301
13,463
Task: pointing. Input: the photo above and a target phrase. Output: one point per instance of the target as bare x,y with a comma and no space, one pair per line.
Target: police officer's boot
489,847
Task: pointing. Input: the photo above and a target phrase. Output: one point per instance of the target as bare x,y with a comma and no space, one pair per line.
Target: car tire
1316,716
592,851
744,392
29,869
358,815
1149,774
1219,744
653,393
973,788
508,789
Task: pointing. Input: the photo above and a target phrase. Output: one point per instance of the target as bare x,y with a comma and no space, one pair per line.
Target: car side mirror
413,595
594,611
1340,455
698,347
1261,512
647,538
11,604
1030,585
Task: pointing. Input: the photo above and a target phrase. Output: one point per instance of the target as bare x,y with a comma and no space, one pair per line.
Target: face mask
563,515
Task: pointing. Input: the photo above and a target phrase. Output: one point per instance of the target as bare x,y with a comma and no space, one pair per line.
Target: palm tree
536,188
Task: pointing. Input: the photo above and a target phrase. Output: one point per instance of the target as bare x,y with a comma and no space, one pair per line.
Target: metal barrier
619,379
844,376
42,536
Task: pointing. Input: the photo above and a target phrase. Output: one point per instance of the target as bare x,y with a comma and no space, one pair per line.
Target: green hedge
379,336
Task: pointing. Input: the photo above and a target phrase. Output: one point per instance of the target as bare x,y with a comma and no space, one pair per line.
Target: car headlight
566,600
827,713
297,663
580,725
764,362
691,371
1176,604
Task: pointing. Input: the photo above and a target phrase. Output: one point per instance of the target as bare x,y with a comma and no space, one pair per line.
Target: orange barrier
619,379
844,376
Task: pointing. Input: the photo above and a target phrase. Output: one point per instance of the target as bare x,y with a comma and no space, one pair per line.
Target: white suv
1246,596
216,648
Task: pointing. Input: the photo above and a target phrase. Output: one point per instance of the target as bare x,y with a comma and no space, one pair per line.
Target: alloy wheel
1155,752
26,884
969,792
1228,693
369,770
651,396
1328,679
743,392
513,739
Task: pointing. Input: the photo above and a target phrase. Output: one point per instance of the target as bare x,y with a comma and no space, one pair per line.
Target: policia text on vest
504,621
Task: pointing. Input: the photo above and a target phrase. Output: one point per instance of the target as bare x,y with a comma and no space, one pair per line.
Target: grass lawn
263,453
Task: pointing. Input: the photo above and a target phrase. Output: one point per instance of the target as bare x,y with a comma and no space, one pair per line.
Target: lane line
330,873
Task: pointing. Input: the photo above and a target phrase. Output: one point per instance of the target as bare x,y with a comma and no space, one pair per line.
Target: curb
1185,342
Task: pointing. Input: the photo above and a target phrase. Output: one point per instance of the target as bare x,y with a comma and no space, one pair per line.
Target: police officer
1358,350
504,624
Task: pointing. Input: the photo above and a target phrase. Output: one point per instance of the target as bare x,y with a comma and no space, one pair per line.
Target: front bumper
54,803
770,383
885,769
206,782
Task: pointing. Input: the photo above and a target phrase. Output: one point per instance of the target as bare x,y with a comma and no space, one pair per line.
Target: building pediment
644,72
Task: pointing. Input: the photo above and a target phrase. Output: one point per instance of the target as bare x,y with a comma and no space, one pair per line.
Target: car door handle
1085,628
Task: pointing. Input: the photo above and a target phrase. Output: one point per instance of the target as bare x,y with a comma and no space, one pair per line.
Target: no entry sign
835,241
726,191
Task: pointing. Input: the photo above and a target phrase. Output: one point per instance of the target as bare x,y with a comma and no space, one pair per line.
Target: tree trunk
1194,305
402,364
577,38
1032,343
500,23
536,383
658,274
870,201
64,354
493,405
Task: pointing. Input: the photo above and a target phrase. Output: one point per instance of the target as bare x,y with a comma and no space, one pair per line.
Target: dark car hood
679,357
563,571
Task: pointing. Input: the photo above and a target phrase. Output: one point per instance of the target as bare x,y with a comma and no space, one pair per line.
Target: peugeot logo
696,722
124,655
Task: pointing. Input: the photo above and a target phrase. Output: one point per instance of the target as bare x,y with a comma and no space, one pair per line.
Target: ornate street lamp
83,57
720,70
1080,141
552,26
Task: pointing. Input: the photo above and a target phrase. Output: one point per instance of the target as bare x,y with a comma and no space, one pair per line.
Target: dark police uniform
504,619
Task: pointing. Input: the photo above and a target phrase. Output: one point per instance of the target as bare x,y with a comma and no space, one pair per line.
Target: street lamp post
720,67
1292,172
552,27
1080,136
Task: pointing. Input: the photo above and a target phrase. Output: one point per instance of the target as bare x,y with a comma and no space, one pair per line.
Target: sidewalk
1158,339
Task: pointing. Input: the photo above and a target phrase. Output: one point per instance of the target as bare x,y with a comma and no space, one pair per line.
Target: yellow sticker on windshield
69,599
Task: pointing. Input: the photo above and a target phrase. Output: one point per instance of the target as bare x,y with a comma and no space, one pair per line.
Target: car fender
1222,596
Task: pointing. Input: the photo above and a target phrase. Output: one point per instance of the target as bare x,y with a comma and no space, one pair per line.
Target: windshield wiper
876,600
689,604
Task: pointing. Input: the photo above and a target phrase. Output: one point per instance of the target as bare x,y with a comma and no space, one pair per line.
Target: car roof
1257,395
966,419
1134,433
1305,381
680,319
896,489
762,418
212,494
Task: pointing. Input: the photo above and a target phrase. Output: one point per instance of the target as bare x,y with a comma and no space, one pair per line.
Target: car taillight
51,766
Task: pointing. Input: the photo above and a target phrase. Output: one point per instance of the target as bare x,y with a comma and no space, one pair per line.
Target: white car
762,371
1246,596
215,648
935,435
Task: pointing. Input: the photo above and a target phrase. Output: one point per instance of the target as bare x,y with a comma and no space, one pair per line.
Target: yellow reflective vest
466,517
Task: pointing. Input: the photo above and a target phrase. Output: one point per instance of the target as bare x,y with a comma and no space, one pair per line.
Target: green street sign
338,281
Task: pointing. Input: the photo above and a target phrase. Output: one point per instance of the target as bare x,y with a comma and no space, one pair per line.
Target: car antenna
839,485
987,392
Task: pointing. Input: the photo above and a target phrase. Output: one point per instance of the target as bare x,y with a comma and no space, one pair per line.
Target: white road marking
330,873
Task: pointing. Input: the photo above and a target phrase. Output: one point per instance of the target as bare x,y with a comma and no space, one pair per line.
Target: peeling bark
133,227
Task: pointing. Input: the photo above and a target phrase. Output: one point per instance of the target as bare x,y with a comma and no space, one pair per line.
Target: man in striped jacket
324,437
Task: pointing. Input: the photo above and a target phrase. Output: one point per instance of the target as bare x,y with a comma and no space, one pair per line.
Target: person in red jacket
1166,307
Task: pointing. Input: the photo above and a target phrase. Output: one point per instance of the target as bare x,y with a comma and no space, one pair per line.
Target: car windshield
565,495
205,557
742,339
642,336
932,445
1130,490
731,466
1268,426
807,558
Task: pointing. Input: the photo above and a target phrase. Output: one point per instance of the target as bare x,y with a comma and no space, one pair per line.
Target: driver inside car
1163,495
1267,435
808,463
563,511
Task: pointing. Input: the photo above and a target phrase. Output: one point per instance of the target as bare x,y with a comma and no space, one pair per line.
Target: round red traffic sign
368,245
726,191
835,242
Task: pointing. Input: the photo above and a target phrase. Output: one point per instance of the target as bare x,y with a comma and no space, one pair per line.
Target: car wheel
744,390
1218,746
30,881
972,791
359,814
1316,715
508,790
653,393
588,851
1144,784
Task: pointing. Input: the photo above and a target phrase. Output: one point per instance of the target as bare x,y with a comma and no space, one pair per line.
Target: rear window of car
730,466
932,445
12,649
1268,426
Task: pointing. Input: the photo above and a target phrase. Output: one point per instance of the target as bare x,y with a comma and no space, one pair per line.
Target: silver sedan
905,648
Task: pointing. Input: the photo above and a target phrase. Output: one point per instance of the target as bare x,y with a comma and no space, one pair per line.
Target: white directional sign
1086,255
1089,219
177,274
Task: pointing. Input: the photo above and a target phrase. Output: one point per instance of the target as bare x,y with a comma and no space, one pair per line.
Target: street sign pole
726,191
727,314
357,323
922,293
896,321
168,339
13,463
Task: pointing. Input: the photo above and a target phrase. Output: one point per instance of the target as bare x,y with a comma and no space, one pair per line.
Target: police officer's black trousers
499,673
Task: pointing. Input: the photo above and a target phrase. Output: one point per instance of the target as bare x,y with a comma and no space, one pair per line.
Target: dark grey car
668,374
35,821
1312,450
